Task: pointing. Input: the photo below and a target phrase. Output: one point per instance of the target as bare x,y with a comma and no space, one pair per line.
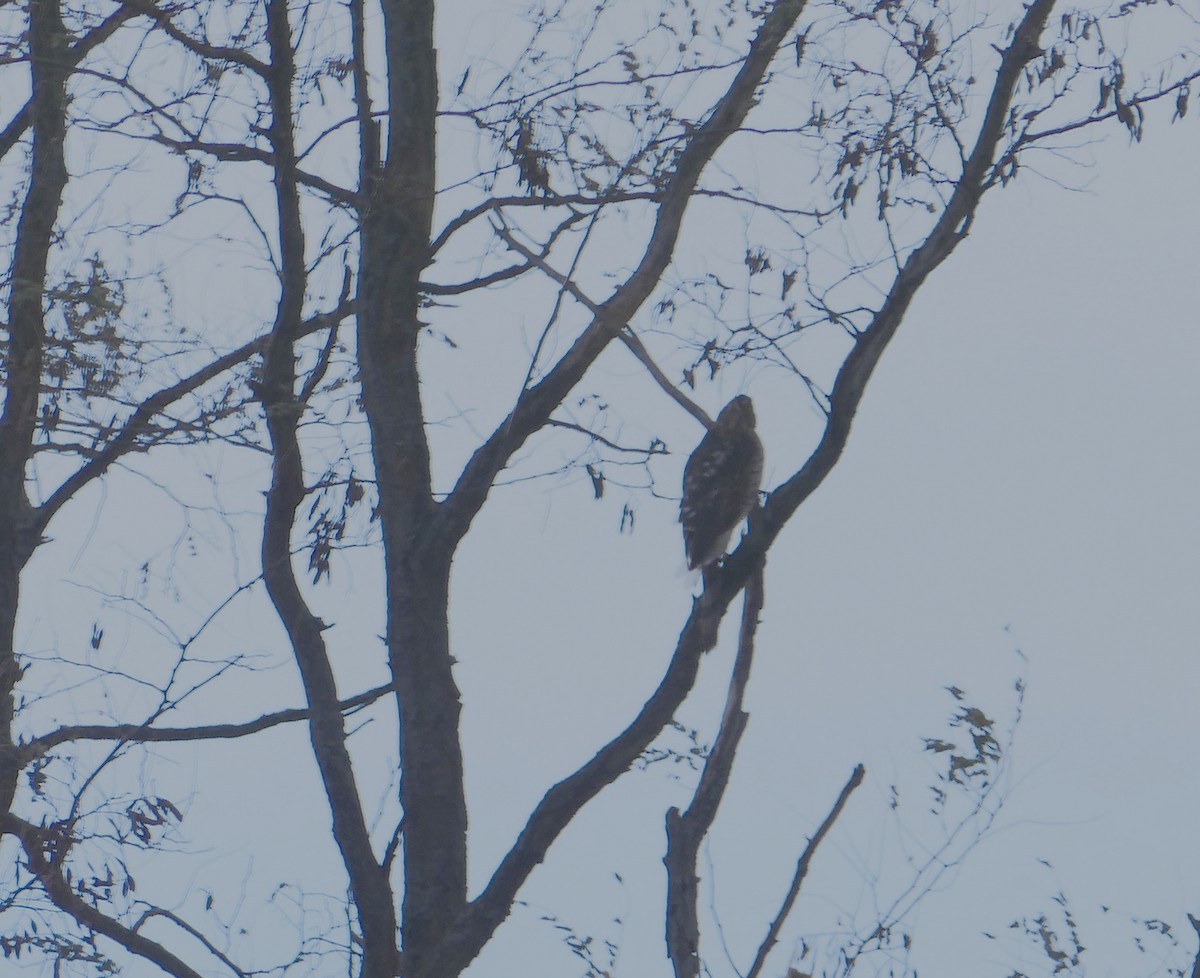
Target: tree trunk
49,66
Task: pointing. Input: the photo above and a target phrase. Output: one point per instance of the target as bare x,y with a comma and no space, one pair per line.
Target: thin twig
655,448
194,932
141,733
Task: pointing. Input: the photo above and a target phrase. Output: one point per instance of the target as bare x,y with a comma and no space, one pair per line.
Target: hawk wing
720,483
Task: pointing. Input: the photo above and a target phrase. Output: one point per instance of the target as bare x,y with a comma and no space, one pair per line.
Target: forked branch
49,872
565,799
627,336
950,229
536,403
685,832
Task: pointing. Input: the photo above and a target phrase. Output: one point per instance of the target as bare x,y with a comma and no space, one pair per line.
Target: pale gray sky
1023,474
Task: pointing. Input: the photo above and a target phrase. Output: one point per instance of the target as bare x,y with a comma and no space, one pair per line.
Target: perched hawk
720,483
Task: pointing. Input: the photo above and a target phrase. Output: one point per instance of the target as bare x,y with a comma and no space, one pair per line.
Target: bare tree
240,230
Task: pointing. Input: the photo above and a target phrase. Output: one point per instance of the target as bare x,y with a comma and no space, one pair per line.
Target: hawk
720,483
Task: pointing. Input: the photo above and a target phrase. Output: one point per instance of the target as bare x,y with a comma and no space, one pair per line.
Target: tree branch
536,403
626,334
369,887
60,892
242,153
215,52
685,832
1040,135
142,733
395,232
25,355
524,200
195,933
562,801
856,779
126,438
21,119
859,365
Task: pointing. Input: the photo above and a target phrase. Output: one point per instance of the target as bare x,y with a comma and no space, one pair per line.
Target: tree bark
50,64
686,831
396,229
373,898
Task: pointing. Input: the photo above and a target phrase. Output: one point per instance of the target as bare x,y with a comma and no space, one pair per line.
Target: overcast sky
1018,501
1023,476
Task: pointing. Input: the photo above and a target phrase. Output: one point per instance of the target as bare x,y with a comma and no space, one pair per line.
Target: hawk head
738,413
